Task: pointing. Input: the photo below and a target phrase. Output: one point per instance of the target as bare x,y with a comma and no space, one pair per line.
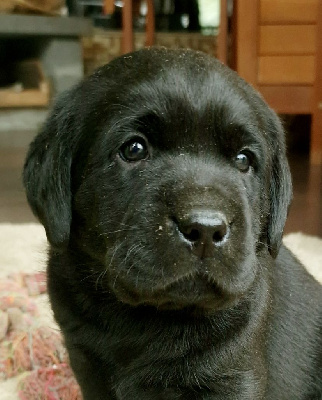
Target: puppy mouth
196,293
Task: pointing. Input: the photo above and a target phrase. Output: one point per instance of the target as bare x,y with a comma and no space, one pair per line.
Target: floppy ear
47,172
280,194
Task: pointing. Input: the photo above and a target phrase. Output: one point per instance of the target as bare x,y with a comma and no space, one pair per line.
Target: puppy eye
243,161
134,150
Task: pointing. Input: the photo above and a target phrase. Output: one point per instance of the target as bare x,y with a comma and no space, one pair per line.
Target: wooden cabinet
278,49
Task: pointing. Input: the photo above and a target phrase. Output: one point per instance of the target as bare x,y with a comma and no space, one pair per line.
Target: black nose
205,230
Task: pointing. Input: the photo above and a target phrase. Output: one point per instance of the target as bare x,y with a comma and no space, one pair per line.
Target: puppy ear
280,196
47,172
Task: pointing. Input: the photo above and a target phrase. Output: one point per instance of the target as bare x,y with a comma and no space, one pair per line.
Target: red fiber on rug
53,383
27,351
35,352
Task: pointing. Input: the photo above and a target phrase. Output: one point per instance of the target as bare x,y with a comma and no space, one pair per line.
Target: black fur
148,308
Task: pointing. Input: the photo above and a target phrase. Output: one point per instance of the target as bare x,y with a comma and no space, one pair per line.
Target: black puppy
163,186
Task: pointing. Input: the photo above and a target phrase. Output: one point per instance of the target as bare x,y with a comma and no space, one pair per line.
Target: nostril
201,227
189,230
205,231
220,233
193,235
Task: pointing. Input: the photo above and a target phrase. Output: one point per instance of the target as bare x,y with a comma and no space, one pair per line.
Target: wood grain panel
222,35
246,44
316,130
287,39
289,99
279,70
288,11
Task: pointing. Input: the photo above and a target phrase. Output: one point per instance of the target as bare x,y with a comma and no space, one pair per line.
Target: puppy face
169,172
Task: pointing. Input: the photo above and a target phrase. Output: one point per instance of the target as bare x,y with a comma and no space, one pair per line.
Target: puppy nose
205,230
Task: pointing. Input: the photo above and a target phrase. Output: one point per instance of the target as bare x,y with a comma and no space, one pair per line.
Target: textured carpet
23,248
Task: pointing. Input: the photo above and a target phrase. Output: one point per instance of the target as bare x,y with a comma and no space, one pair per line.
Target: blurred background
46,46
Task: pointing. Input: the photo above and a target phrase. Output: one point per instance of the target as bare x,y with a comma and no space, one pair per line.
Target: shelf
31,88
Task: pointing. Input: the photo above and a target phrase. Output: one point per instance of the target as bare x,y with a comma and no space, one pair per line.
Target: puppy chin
195,294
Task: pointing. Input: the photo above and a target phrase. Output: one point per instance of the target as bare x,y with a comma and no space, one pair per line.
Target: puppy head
168,170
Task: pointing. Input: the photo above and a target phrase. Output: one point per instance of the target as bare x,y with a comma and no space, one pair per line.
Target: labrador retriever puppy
163,186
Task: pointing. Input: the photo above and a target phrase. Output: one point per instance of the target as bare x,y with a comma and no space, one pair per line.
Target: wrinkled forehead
202,85
185,102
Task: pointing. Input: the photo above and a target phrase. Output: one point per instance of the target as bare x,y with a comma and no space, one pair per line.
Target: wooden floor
305,214
13,204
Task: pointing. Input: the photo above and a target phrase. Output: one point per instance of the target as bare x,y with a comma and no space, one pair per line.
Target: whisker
100,277
112,258
130,251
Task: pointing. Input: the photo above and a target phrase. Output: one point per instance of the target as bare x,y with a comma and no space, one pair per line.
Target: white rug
23,248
